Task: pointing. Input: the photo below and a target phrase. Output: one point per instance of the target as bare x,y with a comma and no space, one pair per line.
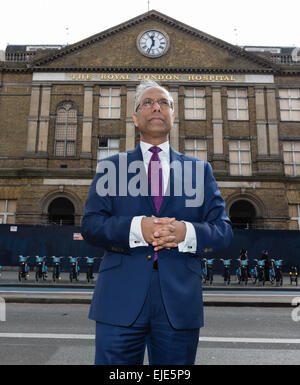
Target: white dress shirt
136,239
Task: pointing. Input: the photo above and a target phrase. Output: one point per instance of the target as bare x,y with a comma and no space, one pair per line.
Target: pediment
189,49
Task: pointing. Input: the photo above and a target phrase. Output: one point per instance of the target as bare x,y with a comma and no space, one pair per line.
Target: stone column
130,128
217,121
261,122
174,134
87,123
33,119
44,120
272,122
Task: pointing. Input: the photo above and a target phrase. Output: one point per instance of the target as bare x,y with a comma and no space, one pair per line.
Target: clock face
153,43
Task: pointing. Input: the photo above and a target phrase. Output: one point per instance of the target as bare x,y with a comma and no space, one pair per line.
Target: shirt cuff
189,245
136,238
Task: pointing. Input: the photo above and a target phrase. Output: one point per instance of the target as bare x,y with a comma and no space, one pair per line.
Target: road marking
49,336
201,339
251,340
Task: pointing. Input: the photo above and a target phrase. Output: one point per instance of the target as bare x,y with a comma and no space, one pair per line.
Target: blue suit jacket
125,273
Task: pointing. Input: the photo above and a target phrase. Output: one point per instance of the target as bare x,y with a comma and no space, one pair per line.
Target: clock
153,43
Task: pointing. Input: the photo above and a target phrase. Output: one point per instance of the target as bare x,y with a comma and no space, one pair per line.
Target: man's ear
135,119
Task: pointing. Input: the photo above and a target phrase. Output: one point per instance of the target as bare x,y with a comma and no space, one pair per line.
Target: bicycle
293,275
261,271
56,268
89,272
207,271
41,269
277,264
242,271
23,269
226,274
74,268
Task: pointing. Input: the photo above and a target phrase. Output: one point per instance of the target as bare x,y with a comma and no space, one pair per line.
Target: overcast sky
257,22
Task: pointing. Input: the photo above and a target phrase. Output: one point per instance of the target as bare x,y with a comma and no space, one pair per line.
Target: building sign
193,78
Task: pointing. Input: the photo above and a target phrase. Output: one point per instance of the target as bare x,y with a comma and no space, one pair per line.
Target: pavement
217,294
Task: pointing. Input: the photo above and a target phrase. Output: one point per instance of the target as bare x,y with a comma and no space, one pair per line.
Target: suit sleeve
100,227
214,231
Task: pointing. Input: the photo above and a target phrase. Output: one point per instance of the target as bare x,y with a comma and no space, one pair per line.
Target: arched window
61,211
65,130
242,215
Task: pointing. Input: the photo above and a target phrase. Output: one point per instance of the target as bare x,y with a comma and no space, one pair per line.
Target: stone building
63,108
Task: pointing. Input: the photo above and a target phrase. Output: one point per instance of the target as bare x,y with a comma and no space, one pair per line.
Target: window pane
12,205
243,115
103,113
297,170
246,169
245,157
233,157
243,104
189,144
293,211
60,149
231,103
244,145
294,93
289,170
102,154
295,115
2,222
283,93
287,146
284,103
189,114
11,219
104,101
288,157
113,143
232,115
202,155
233,144
231,93
242,93
295,103
285,115
115,113
70,148
115,102
2,205
190,152
234,169
297,146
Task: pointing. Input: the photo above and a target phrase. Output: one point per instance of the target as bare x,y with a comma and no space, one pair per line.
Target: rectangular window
107,147
8,211
240,157
291,158
289,100
237,104
110,103
196,148
194,103
66,130
294,214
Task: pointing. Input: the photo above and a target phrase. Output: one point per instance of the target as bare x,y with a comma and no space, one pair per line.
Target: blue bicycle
74,269
207,270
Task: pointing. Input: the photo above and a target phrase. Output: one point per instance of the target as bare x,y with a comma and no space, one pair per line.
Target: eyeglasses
149,103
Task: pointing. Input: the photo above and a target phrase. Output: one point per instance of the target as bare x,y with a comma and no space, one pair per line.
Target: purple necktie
155,180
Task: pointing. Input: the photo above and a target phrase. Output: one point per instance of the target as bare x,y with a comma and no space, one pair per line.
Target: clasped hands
163,233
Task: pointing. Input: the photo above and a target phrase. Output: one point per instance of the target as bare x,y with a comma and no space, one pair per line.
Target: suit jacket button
149,257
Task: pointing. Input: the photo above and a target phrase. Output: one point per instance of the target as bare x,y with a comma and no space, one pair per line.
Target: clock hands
152,44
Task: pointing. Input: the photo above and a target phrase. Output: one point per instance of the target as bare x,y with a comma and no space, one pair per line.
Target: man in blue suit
154,211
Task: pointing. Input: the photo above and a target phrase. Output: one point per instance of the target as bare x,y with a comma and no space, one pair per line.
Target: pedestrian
265,257
148,290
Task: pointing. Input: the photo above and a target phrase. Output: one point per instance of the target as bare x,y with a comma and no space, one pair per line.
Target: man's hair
146,84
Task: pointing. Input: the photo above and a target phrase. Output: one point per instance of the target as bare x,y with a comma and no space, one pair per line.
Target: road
62,334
